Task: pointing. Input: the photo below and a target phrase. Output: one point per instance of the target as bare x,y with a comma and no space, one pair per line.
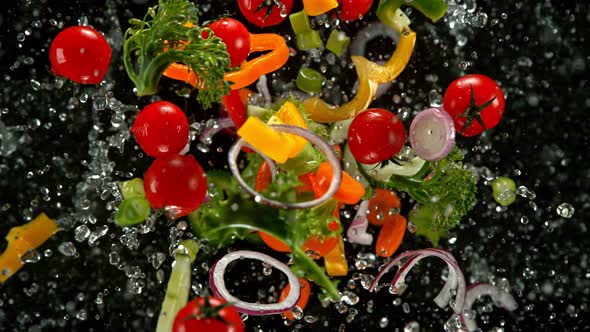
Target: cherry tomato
210,314
475,102
80,54
375,135
383,206
161,129
265,13
351,10
175,183
236,38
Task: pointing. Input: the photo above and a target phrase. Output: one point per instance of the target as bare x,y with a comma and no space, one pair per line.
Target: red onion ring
432,134
357,231
499,297
217,284
415,256
209,132
372,31
322,145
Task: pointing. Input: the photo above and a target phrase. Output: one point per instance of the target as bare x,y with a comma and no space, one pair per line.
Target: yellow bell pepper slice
335,261
272,143
22,239
370,75
318,7
289,114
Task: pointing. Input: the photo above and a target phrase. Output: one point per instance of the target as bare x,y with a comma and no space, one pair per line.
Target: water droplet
67,249
81,233
412,327
565,210
383,322
31,256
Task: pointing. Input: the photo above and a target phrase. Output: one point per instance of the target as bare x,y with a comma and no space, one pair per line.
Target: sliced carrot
303,298
383,205
350,190
391,236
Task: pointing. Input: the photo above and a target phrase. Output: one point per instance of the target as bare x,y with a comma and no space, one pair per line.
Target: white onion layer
217,283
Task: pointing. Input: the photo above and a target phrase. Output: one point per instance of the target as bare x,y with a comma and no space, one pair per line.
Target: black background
539,53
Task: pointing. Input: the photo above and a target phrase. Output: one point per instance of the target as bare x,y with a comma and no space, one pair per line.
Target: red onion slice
217,284
414,257
209,132
314,139
500,298
432,134
357,231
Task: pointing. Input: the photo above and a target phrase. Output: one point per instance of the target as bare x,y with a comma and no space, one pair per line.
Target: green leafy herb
169,33
232,214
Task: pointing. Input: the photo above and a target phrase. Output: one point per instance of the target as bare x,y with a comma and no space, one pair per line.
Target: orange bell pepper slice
274,144
249,71
303,298
22,239
350,190
381,205
370,75
390,236
318,7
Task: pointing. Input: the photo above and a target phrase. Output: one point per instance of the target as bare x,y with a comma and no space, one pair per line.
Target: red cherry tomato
208,315
80,54
161,129
175,183
475,102
351,10
235,36
265,13
375,135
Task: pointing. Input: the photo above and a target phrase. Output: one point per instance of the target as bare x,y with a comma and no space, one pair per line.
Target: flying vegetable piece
370,75
179,284
318,7
249,71
303,298
389,10
23,239
335,261
146,56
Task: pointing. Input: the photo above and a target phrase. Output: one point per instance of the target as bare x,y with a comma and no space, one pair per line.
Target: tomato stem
474,111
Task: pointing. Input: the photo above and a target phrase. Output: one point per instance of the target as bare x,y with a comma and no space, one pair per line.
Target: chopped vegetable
300,22
310,80
303,298
338,42
351,10
499,297
388,10
382,206
23,239
146,56
132,188
357,231
270,142
235,107
504,190
132,211
217,283
391,235
265,13
432,134
350,191
308,40
179,286
236,38
335,261
318,7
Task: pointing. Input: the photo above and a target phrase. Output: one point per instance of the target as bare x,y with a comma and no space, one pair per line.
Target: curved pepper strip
249,71
22,239
370,76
